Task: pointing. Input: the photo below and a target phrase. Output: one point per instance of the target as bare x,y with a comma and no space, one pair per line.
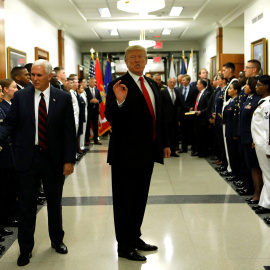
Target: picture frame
41,54
212,67
16,58
259,52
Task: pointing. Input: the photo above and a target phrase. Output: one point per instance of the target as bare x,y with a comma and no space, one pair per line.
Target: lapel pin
54,100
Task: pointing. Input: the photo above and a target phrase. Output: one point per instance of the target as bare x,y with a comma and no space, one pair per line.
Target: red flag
104,125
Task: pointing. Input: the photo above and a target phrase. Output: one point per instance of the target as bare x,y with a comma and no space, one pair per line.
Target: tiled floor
194,216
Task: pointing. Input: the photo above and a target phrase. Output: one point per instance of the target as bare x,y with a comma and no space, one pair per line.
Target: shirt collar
134,76
45,92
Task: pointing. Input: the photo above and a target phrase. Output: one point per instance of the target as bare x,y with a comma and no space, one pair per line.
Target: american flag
92,68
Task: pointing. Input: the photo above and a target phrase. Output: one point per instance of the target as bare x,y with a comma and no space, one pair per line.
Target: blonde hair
134,48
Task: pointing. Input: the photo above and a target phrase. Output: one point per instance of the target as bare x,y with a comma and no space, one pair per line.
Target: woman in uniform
260,135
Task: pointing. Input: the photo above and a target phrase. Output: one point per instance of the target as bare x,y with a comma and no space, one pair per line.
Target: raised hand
120,91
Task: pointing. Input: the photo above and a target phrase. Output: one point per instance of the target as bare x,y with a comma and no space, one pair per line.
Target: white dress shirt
37,100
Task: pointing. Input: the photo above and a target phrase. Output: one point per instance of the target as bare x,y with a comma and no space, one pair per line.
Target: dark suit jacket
92,106
61,132
192,95
169,110
246,113
131,143
202,119
5,106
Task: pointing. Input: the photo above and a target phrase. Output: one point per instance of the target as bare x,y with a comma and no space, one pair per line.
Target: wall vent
259,17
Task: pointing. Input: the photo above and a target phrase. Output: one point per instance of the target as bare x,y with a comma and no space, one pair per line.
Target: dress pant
265,167
130,188
187,131
28,187
92,119
8,194
233,156
172,132
221,148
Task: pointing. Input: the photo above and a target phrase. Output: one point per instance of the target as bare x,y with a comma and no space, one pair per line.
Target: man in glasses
252,68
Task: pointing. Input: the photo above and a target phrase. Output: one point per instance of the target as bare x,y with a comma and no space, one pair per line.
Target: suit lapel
52,104
31,102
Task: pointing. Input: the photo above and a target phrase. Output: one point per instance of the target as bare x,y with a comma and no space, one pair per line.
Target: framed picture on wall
212,67
259,52
16,58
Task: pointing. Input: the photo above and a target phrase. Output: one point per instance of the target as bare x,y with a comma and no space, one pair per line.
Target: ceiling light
104,12
166,31
175,11
140,6
142,42
114,32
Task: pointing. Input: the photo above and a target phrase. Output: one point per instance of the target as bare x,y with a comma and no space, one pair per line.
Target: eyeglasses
249,67
259,84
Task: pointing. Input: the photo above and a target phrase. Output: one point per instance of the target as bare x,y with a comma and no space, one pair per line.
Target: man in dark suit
201,119
21,76
188,94
45,147
170,99
93,98
133,107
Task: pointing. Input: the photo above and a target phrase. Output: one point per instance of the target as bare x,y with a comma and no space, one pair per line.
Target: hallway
193,215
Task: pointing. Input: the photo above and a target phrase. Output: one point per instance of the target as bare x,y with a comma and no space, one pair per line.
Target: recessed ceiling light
104,12
166,31
175,11
114,32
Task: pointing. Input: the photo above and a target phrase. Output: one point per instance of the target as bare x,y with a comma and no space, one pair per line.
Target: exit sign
159,45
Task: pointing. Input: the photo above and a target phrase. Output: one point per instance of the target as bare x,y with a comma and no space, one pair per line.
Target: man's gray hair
45,63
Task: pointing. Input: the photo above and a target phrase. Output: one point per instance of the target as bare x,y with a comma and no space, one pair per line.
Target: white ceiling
81,19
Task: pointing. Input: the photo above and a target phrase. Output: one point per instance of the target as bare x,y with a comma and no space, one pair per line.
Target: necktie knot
41,94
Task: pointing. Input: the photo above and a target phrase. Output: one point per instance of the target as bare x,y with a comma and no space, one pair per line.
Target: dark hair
72,76
256,63
203,82
265,79
28,67
16,71
230,65
236,86
252,81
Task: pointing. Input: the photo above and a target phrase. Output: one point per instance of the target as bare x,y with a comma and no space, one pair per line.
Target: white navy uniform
260,135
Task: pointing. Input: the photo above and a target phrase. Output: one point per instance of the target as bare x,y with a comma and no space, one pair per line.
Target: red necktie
196,104
42,123
149,104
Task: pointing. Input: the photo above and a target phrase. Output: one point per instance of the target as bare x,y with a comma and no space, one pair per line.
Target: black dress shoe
2,248
244,192
225,173
231,178
60,247
2,239
267,220
24,259
262,210
5,232
40,201
174,155
98,143
132,255
253,202
221,168
146,247
255,207
238,184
